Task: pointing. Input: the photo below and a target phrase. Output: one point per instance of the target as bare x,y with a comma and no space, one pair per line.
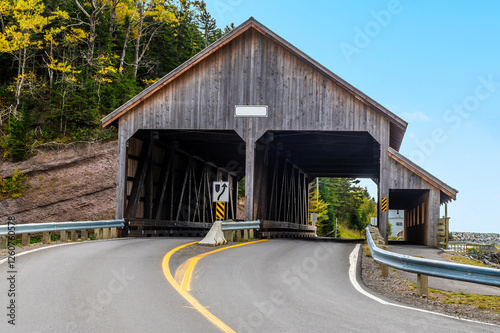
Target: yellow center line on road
187,279
181,272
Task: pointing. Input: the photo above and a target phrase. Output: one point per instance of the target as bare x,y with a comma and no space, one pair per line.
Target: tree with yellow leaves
319,206
27,20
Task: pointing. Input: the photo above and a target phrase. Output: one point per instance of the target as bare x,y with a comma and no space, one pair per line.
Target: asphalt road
108,286
300,286
276,286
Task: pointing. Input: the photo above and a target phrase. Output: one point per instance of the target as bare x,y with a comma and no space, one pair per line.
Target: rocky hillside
72,183
475,237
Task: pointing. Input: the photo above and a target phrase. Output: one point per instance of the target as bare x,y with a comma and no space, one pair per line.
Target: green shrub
13,186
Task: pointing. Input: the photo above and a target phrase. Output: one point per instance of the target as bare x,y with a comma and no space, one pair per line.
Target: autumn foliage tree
65,64
320,207
25,25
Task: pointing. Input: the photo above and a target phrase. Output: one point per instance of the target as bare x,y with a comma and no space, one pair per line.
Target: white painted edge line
353,261
59,245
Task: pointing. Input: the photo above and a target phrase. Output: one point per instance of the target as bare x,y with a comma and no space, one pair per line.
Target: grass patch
411,285
346,232
366,249
463,260
482,302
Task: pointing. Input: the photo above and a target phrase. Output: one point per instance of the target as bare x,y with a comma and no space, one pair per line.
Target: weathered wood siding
401,177
254,70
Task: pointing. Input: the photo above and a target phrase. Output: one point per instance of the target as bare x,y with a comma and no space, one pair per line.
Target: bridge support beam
250,179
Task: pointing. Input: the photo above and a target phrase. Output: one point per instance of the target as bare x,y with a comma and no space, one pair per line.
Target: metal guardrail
240,225
59,226
448,270
463,247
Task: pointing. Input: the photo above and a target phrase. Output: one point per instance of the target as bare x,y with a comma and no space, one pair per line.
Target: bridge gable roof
397,125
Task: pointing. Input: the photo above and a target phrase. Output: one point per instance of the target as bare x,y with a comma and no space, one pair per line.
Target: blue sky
434,64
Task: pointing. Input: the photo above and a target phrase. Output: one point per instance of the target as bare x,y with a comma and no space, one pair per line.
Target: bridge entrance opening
169,180
414,204
287,161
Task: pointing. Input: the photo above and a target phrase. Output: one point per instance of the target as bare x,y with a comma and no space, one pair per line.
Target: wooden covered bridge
252,105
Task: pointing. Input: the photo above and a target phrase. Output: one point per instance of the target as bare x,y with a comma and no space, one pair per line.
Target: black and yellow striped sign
383,206
220,210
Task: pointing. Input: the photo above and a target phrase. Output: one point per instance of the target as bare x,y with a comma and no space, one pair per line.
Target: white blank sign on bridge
250,111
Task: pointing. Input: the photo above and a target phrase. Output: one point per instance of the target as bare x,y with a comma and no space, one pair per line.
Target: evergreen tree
207,25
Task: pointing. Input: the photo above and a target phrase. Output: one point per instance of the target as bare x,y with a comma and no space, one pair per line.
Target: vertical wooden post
431,224
46,237
121,176
249,180
422,284
114,232
64,236
3,242
385,270
98,233
25,239
85,234
105,233
73,235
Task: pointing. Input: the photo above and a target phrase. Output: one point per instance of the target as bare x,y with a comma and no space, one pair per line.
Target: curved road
275,286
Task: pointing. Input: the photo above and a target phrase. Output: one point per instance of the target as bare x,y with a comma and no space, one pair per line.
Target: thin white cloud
415,116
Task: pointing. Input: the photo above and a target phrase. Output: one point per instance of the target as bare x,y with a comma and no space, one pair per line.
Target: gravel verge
397,288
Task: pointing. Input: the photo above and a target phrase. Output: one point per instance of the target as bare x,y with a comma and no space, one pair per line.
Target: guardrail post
98,233
114,232
251,233
105,233
46,237
385,270
73,235
245,234
422,284
3,242
85,234
25,239
64,236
